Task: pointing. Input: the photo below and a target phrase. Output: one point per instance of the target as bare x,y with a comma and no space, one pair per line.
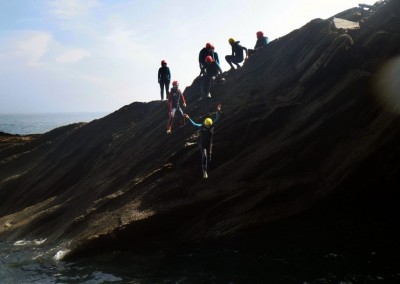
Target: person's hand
186,116
184,105
219,107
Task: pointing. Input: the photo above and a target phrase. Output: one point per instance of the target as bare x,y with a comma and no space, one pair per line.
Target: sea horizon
42,122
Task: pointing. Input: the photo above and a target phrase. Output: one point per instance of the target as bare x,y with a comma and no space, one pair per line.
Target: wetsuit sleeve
159,75
219,68
217,116
169,74
194,123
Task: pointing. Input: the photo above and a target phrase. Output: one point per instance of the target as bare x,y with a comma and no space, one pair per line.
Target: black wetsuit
164,78
205,141
237,54
211,70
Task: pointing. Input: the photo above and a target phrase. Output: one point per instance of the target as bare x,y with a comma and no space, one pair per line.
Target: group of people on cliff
209,70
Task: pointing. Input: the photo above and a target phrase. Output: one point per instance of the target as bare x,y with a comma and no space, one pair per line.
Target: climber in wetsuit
164,78
237,53
174,98
204,52
261,42
205,140
211,69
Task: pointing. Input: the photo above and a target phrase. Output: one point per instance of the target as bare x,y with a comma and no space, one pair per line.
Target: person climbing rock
211,69
206,51
164,78
237,53
206,139
215,55
174,98
261,42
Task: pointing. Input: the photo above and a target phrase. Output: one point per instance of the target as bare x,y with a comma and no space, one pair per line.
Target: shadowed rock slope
303,130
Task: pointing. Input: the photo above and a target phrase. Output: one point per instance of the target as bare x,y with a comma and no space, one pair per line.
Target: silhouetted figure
164,78
237,53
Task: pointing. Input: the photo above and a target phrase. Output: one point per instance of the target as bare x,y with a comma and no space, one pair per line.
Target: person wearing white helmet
205,139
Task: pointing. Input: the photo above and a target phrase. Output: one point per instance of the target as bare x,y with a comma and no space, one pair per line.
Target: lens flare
387,85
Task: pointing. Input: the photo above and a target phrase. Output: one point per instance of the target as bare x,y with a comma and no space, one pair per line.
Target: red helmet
163,62
208,45
175,84
209,59
260,34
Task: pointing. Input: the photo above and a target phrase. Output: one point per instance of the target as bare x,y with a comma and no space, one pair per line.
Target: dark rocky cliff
304,136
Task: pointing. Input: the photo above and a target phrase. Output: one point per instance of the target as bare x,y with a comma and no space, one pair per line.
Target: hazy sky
99,55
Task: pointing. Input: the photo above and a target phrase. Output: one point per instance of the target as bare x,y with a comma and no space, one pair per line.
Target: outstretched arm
191,121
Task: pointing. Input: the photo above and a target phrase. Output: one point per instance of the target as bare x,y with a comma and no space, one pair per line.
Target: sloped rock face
303,130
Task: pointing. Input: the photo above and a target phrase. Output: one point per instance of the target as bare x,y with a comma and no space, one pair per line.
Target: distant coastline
39,123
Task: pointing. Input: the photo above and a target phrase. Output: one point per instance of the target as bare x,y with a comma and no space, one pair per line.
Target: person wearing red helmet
204,52
164,78
211,70
174,98
262,42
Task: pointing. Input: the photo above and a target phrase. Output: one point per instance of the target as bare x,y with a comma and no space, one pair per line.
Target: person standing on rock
174,98
164,78
205,139
237,53
262,42
211,69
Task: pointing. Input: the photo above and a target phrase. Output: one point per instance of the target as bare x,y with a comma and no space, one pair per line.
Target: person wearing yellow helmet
205,139
237,53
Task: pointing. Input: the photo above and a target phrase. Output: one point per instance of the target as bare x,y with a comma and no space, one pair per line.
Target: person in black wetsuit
206,139
212,69
206,51
237,53
174,98
164,78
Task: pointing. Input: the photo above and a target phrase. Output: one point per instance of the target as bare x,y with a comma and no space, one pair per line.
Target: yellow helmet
231,40
208,122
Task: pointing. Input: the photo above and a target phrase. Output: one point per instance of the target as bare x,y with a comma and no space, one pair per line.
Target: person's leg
167,89
203,152
228,59
162,90
205,85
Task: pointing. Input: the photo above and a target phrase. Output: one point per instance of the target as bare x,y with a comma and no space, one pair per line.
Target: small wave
60,254
35,242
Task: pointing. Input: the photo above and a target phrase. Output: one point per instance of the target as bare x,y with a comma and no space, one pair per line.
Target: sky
99,55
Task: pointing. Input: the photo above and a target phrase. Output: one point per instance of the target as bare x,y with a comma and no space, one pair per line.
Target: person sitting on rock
237,53
164,78
205,139
211,70
174,98
206,51
262,42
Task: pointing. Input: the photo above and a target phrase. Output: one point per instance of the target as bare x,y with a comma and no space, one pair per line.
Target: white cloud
66,9
73,55
31,45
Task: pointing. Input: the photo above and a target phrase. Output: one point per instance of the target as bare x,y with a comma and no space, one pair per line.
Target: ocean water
32,261
38,123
